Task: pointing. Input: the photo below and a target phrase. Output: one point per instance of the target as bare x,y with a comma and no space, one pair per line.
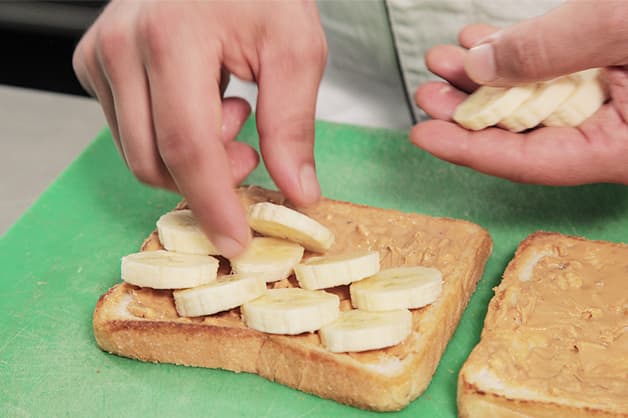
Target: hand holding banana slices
381,299
548,102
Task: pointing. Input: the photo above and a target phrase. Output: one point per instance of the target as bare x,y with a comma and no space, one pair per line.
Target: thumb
575,36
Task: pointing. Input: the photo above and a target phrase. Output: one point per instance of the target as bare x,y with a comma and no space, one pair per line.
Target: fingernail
480,63
309,183
228,246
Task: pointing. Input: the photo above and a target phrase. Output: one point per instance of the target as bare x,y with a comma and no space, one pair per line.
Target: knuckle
110,45
152,31
146,173
175,149
526,56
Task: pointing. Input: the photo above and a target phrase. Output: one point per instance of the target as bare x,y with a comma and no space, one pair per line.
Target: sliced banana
329,271
168,270
488,105
397,288
179,231
291,311
589,95
282,222
227,292
273,258
357,330
545,99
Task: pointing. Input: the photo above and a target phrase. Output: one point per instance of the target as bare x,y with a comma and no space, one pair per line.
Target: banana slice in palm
168,270
357,330
589,95
545,99
179,231
291,311
227,292
282,222
329,271
273,258
397,288
488,105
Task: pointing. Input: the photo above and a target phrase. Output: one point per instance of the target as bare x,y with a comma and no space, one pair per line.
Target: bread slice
143,324
555,338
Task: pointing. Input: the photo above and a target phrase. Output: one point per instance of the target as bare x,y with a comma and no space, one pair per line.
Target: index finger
186,104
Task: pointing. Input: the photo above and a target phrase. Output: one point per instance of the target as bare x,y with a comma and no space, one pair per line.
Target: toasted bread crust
474,401
295,361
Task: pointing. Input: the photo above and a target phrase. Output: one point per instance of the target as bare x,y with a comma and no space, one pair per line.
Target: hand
575,36
159,69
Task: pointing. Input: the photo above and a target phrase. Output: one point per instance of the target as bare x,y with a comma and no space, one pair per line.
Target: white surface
40,134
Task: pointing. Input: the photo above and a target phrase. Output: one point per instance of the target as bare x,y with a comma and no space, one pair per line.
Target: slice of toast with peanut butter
142,323
555,339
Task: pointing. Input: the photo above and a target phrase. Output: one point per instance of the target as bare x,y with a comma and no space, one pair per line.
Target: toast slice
143,324
555,338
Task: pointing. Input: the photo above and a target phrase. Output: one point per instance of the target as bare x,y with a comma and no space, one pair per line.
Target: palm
596,151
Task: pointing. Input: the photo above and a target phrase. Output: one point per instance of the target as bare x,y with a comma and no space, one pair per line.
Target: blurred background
37,39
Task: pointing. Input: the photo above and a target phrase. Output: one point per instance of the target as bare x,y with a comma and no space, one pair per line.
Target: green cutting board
65,252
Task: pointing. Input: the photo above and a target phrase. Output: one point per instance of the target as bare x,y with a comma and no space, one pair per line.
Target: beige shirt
377,50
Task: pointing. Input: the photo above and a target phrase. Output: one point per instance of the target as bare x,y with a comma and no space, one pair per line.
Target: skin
159,68
575,36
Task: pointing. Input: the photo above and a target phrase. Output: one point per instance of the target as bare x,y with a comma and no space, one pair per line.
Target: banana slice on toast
168,270
279,221
291,311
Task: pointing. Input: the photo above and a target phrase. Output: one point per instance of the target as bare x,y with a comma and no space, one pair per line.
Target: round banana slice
179,231
291,311
273,258
168,270
357,330
227,292
488,105
545,99
397,288
282,222
329,271
589,95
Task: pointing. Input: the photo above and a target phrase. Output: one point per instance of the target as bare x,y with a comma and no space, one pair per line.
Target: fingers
121,62
447,61
243,158
574,36
89,73
187,118
285,115
551,156
438,99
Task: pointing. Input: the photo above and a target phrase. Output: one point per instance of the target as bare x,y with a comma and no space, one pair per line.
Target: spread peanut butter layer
558,324
401,239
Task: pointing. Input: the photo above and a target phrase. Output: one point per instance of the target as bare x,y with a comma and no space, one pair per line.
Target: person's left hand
573,37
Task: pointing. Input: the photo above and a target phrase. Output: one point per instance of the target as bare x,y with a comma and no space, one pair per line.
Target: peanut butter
401,239
559,324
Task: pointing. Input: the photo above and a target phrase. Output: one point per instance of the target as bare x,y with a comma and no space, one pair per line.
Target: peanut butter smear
559,324
401,239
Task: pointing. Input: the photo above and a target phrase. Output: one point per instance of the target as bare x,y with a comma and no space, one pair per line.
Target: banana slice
282,222
291,311
329,271
546,98
168,270
273,258
397,288
357,330
227,292
589,95
488,105
179,231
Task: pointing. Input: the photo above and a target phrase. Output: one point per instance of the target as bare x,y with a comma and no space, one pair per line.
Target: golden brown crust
301,362
476,401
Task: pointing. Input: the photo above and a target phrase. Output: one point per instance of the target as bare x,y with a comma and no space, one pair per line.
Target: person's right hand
159,69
